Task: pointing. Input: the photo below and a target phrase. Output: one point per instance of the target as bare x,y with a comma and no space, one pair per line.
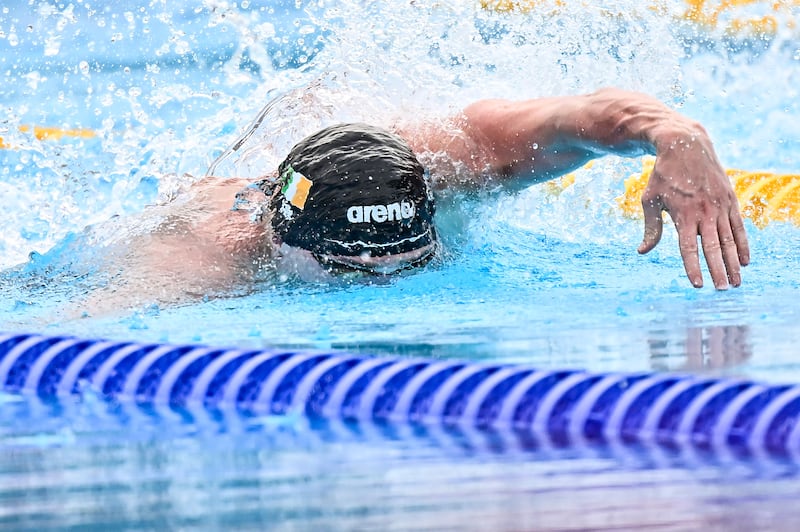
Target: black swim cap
352,189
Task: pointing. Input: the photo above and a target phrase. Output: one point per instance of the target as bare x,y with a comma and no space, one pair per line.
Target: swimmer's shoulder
224,193
214,183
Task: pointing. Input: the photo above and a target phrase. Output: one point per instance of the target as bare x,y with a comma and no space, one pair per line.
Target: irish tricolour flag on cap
296,187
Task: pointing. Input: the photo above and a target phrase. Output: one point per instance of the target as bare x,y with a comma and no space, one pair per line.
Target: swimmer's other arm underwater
354,197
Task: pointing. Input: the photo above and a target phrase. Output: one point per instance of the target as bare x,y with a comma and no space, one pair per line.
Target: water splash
169,88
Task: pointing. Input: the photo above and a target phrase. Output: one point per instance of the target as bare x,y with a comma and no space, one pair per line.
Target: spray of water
174,92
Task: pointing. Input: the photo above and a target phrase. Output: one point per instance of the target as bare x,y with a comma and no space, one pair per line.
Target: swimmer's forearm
628,123
544,138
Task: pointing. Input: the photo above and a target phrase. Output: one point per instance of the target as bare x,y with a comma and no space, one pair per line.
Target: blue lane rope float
568,407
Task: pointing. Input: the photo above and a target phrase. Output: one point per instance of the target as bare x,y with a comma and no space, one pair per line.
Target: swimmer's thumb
653,226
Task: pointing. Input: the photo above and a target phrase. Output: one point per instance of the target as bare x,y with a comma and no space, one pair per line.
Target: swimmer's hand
689,183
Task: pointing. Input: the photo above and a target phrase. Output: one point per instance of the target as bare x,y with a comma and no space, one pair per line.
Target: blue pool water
538,278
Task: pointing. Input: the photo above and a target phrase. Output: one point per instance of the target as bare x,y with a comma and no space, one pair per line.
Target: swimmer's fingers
713,240
687,241
739,235
725,247
730,252
653,223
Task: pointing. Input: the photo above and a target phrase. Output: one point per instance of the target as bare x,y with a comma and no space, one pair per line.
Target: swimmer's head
355,197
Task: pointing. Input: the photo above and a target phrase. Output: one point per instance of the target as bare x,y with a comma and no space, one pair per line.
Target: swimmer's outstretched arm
530,141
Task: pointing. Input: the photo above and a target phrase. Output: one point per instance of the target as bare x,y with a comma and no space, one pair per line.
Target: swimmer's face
309,266
379,265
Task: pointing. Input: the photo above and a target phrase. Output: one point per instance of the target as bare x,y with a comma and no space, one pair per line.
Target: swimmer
357,198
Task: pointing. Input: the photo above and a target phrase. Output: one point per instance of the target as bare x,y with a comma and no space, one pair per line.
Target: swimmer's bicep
449,154
501,142
514,132
522,142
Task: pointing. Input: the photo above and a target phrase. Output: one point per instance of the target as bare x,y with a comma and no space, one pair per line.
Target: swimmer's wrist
679,135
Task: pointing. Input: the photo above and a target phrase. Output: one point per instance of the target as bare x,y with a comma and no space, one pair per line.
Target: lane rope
725,415
764,197
53,133
732,17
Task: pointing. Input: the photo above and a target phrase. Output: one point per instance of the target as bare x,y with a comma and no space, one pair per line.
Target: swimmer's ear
269,184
